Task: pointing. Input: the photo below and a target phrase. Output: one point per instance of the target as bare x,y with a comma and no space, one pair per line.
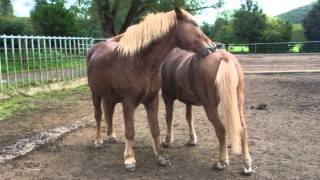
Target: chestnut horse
125,69
211,81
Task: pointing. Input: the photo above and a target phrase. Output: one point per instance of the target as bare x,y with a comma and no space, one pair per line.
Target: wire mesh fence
27,61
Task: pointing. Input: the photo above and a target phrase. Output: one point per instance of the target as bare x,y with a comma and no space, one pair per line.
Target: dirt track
284,139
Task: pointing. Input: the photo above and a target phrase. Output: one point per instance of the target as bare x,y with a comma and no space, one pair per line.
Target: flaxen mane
153,26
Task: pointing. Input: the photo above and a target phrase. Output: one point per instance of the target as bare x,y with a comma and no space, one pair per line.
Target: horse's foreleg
128,111
192,132
152,113
247,169
168,101
97,115
108,109
212,113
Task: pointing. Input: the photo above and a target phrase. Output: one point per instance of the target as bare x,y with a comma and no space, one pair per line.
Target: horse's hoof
247,171
98,143
221,165
247,168
165,144
191,143
131,167
112,140
163,161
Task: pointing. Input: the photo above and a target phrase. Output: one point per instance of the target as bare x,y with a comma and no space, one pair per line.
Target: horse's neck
156,53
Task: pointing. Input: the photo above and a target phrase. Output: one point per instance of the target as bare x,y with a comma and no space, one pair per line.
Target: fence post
34,60
6,60
255,48
27,59
0,72
14,61
50,53
40,61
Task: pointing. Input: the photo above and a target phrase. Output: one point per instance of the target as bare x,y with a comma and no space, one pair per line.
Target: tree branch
219,4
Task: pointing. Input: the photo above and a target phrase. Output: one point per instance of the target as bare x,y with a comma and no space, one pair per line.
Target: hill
296,15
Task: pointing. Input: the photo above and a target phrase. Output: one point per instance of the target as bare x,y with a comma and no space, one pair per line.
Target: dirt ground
284,139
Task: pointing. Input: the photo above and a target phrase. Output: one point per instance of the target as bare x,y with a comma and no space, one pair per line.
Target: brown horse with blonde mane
125,69
212,81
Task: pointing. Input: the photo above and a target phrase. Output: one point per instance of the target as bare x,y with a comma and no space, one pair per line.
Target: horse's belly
187,97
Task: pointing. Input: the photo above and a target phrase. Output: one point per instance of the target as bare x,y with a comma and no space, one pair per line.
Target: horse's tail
226,83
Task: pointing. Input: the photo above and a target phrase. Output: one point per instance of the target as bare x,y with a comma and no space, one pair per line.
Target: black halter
212,48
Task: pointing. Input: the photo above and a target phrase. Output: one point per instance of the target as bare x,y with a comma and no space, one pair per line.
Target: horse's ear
179,13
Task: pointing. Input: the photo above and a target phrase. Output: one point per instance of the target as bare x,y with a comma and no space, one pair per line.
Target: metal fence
27,61
279,47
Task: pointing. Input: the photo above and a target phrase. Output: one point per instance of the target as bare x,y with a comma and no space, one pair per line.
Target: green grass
59,60
23,103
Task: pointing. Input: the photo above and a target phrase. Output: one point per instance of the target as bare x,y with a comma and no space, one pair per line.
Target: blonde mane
153,27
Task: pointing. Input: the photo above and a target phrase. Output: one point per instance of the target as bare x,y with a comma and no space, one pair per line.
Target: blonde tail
226,83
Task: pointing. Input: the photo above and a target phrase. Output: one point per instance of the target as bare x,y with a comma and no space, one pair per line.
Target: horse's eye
195,24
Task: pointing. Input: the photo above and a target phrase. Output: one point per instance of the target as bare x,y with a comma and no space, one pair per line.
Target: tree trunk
106,18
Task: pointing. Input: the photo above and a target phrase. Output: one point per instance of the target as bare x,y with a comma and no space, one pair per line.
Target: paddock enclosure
282,108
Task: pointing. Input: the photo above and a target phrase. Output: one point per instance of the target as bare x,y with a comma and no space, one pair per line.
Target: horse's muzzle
211,48
205,51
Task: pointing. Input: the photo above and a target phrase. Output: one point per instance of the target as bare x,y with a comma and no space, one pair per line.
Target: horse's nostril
205,52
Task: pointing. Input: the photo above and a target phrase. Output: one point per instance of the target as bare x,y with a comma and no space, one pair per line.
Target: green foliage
249,23
207,29
11,25
116,16
277,30
297,15
223,30
6,8
311,23
53,19
87,18
297,34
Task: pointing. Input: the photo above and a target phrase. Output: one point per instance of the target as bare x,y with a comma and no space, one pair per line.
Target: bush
10,25
53,19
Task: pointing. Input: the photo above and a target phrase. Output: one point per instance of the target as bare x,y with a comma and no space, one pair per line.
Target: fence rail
31,60
279,47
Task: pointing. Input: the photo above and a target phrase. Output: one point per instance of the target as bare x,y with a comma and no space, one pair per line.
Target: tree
53,19
249,23
207,29
116,16
297,34
311,23
6,8
277,30
223,29
87,17
11,25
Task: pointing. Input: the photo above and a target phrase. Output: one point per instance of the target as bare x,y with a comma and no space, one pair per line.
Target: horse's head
189,35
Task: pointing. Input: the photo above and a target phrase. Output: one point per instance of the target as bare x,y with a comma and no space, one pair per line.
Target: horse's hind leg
247,169
97,115
108,110
152,113
212,113
193,136
168,101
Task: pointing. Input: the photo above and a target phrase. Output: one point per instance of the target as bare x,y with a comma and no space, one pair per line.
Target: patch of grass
23,103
